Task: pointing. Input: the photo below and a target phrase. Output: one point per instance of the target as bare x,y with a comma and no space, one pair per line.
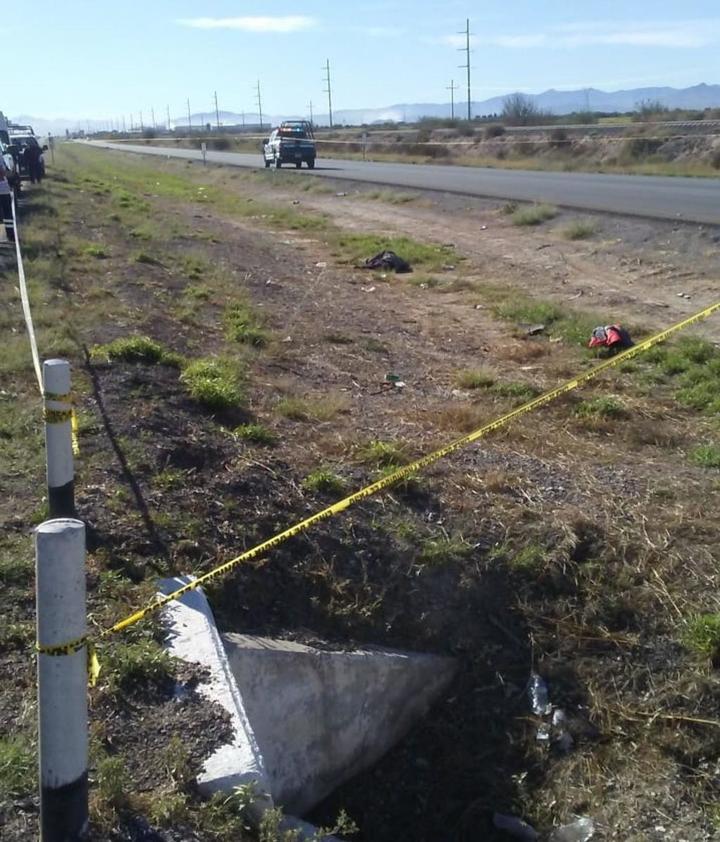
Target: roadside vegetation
228,385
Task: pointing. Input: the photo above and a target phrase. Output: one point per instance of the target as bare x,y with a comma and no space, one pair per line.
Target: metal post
189,118
452,87
217,113
328,90
167,110
466,66
58,438
62,681
259,104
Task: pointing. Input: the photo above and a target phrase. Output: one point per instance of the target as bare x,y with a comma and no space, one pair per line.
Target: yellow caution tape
59,416
74,433
368,491
407,470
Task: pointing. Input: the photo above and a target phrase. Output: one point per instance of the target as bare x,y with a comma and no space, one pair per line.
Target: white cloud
668,34
288,23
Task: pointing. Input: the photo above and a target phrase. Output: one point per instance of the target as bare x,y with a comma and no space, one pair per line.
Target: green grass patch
694,364
146,259
533,215
324,481
17,767
96,251
135,349
702,635
243,325
523,391
571,326
256,434
424,281
706,455
358,247
383,454
442,551
216,383
137,667
601,407
530,558
581,229
312,409
476,378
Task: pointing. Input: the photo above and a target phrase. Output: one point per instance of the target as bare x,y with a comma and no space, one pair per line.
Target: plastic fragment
515,827
539,696
581,830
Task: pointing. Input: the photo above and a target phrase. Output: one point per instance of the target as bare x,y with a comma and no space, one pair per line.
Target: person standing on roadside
6,201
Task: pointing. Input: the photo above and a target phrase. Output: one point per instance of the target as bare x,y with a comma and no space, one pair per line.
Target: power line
466,66
328,90
258,99
452,87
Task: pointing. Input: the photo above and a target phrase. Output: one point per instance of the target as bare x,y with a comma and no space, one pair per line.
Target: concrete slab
320,717
193,637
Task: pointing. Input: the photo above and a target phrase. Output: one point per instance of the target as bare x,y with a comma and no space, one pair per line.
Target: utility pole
452,87
328,89
189,117
466,66
217,113
311,112
258,99
141,121
152,113
242,114
167,111
123,124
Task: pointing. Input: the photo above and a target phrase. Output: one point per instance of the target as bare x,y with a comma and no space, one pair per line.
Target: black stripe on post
64,812
61,500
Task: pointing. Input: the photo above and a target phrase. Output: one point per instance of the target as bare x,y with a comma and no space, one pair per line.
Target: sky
99,60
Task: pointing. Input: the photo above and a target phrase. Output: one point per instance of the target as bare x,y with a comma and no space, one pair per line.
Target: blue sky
85,59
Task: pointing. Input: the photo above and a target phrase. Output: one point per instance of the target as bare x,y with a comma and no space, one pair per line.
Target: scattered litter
287,339
321,265
578,294
296,201
271,283
683,295
479,307
614,337
483,227
448,267
341,194
543,733
460,394
368,289
515,827
556,339
387,260
535,330
562,738
539,696
448,245
581,830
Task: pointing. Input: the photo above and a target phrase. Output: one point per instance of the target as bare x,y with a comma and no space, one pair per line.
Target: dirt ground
574,544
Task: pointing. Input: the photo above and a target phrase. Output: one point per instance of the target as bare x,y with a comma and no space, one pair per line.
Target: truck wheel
298,164
311,164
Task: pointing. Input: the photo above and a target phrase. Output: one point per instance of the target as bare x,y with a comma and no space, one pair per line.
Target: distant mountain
556,102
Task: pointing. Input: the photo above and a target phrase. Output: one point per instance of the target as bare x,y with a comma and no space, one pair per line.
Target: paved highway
689,199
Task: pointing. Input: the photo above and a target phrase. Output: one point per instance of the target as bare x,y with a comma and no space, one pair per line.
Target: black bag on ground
388,260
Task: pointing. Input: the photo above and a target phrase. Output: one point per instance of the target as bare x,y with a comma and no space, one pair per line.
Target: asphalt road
689,199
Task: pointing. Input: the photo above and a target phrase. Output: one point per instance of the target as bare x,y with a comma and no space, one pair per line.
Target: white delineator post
58,438
62,680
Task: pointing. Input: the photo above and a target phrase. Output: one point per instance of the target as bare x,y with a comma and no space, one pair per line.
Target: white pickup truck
291,143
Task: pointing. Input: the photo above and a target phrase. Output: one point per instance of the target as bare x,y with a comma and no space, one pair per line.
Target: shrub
475,378
534,215
715,159
257,434
706,455
601,407
96,251
242,325
494,131
215,383
581,229
383,454
324,481
17,767
559,139
702,634
135,349
442,551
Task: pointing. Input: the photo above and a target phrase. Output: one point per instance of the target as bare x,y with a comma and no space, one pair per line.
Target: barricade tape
382,484
51,416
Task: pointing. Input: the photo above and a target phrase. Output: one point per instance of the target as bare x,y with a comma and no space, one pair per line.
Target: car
291,143
18,144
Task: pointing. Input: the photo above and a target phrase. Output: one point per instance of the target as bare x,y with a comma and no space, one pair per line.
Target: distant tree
650,109
521,110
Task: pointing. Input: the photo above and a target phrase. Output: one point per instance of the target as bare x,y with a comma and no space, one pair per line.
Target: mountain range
553,101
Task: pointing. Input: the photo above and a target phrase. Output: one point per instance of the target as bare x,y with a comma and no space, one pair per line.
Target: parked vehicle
18,144
291,143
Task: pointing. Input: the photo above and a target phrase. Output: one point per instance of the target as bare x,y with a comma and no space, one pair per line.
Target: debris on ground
613,337
581,830
562,738
539,695
387,260
535,330
515,827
